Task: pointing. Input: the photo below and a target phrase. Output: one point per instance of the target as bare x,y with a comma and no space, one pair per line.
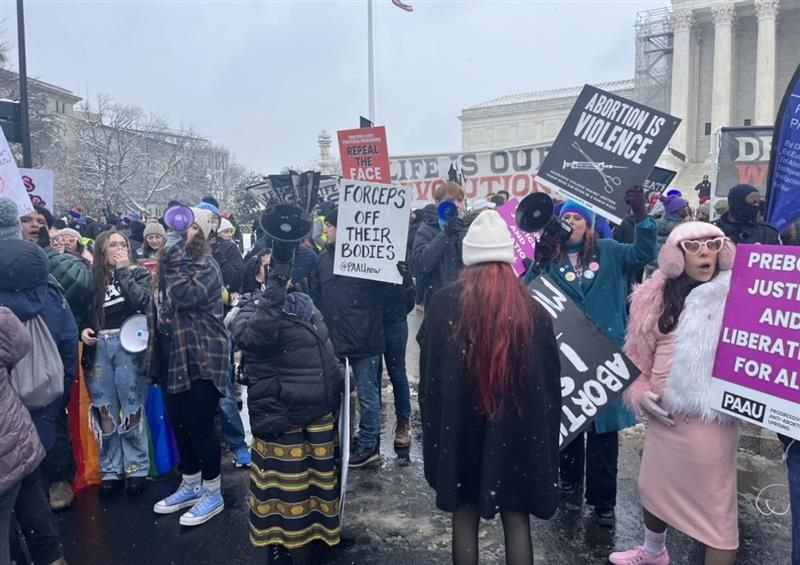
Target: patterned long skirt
294,487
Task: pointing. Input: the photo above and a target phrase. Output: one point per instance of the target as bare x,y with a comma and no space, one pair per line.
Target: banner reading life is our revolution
757,367
607,145
594,371
372,230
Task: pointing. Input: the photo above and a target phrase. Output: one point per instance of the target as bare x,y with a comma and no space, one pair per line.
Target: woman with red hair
490,397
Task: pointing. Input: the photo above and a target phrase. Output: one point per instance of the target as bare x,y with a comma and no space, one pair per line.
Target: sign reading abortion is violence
758,357
608,144
594,371
364,154
372,231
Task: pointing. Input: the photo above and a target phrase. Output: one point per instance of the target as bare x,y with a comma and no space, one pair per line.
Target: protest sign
364,154
483,172
608,145
39,184
594,371
11,185
758,356
524,243
657,184
740,156
372,230
783,182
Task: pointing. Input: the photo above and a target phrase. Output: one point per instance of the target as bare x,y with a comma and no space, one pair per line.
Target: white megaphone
133,334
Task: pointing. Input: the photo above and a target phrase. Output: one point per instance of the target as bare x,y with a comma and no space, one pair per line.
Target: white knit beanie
205,219
488,240
225,225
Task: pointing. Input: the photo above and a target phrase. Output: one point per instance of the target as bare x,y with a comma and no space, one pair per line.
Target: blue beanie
210,207
573,207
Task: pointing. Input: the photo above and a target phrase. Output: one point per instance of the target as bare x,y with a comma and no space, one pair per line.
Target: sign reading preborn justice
364,155
608,145
758,357
372,230
594,371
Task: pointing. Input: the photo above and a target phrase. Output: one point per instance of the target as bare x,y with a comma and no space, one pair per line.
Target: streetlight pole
24,125
371,63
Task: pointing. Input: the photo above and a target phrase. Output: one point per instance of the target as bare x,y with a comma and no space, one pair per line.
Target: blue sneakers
206,508
186,495
241,458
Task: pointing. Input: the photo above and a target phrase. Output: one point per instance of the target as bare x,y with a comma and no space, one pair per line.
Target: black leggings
516,530
191,415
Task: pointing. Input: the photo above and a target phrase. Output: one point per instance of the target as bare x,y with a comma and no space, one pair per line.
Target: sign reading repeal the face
364,154
757,367
594,371
372,230
608,145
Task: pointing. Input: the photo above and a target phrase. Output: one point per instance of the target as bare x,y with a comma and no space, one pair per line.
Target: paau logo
746,407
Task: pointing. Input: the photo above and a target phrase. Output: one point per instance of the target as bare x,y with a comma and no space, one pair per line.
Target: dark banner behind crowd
657,184
742,157
594,371
607,145
783,182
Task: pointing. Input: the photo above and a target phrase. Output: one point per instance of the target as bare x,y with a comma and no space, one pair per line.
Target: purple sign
524,243
758,357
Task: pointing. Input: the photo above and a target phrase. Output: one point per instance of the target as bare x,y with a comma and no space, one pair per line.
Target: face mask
745,212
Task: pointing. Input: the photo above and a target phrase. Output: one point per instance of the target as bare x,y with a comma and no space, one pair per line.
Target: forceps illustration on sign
610,182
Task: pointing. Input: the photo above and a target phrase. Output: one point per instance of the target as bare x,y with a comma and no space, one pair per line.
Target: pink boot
638,556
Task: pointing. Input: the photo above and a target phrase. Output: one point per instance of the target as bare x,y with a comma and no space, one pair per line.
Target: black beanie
333,217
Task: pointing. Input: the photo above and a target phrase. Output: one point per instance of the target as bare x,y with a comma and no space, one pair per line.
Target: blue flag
783,182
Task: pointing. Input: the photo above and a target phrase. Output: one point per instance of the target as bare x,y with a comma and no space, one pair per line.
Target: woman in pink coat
687,478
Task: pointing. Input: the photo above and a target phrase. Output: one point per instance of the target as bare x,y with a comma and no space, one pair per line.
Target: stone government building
712,63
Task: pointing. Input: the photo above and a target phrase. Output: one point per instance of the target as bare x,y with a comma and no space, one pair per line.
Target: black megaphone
286,225
535,214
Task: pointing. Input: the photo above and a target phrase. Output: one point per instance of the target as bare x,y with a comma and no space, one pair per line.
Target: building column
682,22
766,12
721,97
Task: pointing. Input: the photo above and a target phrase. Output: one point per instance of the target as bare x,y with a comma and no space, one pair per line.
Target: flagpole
371,63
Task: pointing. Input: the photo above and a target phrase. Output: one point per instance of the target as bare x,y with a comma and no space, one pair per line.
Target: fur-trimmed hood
696,338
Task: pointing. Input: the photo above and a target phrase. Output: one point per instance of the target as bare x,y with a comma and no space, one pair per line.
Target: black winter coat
436,256
752,232
229,259
293,374
510,464
352,308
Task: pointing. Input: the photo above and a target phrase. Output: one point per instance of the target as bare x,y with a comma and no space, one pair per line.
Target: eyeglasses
693,247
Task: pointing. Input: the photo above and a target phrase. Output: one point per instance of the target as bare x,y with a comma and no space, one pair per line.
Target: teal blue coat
602,297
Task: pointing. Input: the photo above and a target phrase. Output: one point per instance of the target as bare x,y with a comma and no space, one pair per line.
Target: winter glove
651,403
173,238
44,237
454,227
546,250
402,268
634,197
526,262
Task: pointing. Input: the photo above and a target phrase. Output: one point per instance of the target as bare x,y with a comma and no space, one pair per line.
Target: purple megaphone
178,218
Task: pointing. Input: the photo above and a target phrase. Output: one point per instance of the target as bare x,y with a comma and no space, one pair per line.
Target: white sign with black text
372,230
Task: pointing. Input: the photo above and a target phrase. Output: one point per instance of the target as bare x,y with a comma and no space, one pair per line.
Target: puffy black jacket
229,258
293,374
352,308
436,256
751,232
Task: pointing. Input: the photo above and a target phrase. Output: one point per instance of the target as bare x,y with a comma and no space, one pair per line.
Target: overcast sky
263,78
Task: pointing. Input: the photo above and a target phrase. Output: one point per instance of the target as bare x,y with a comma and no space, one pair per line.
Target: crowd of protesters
489,393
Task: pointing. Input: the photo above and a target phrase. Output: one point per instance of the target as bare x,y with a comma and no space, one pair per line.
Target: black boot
109,487
279,555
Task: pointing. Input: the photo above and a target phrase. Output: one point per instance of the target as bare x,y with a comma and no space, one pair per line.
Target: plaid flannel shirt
193,303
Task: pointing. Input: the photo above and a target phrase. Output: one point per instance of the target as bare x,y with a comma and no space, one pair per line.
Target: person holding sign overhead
115,377
593,273
490,397
688,474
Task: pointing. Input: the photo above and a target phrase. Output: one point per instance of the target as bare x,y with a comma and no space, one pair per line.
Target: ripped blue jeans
118,388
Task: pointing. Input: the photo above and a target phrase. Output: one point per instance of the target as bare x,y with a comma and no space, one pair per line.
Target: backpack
38,378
